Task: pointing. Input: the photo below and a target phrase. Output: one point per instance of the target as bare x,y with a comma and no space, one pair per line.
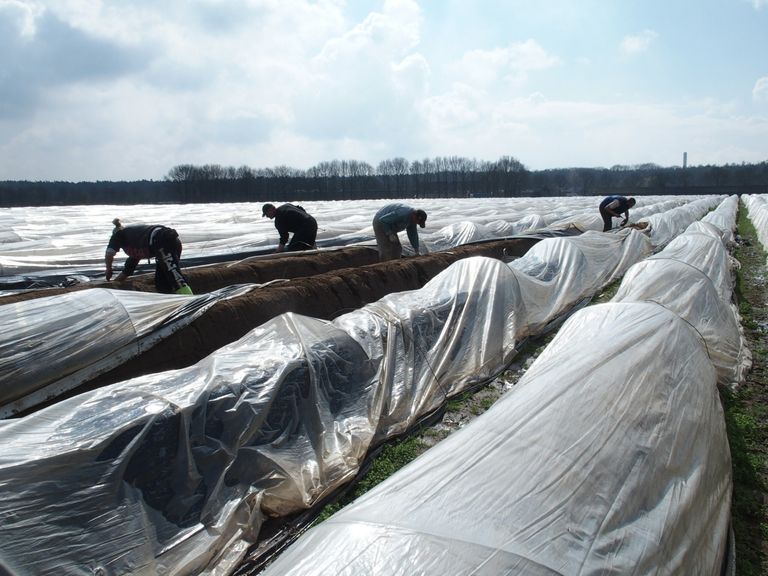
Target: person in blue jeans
390,220
141,241
612,207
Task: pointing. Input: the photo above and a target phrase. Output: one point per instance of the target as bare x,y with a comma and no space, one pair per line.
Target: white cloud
484,68
760,91
24,16
759,4
391,33
639,42
363,82
126,90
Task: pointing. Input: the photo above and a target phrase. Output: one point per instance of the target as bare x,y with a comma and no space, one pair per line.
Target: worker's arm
626,217
128,269
282,229
109,257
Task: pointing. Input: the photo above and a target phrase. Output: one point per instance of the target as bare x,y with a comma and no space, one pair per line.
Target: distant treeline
442,177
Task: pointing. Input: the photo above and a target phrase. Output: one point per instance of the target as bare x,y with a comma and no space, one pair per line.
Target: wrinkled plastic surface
73,238
172,467
52,344
692,277
609,464
757,211
667,225
175,472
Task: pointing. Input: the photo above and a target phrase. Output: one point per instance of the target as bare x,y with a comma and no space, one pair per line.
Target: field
746,410
745,413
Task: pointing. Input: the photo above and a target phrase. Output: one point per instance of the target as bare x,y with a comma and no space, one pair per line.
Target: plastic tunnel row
177,472
757,210
609,456
90,332
49,243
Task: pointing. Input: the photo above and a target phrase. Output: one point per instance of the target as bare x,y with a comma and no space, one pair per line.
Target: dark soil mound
323,295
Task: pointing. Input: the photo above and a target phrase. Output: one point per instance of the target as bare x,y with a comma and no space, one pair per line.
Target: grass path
746,409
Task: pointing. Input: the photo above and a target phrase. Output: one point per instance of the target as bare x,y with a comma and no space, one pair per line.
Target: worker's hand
108,275
121,277
624,222
280,247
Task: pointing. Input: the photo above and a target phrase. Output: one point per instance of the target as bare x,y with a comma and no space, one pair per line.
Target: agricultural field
463,329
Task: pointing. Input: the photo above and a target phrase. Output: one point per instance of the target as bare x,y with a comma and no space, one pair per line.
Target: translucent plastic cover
616,463
598,457
50,345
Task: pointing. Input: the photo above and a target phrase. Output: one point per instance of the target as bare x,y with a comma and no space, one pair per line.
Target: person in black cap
291,218
141,241
390,220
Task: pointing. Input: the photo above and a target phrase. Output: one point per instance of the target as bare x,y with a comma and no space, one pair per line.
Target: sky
127,89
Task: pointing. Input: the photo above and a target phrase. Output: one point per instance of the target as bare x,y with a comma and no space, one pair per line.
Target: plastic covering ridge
176,472
610,455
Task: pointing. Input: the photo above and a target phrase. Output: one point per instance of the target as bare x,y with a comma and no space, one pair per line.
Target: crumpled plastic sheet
455,235
757,211
591,219
529,223
558,272
610,456
664,226
724,218
168,470
175,472
704,252
51,345
692,277
72,238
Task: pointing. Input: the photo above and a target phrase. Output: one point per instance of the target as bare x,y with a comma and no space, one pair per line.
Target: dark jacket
623,204
140,241
290,218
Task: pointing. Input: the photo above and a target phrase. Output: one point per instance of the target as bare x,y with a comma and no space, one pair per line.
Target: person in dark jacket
612,207
390,220
141,241
290,218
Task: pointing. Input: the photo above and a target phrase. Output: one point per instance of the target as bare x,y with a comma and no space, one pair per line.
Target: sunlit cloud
639,42
482,68
122,90
760,91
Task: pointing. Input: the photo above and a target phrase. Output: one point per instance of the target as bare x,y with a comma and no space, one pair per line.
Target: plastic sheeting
724,218
615,463
53,344
609,456
175,472
50,244
692,277
665,226
757,210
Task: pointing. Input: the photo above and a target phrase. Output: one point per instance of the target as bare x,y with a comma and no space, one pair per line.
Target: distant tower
685,159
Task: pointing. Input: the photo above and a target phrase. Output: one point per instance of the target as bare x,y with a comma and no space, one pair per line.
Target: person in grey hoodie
390,220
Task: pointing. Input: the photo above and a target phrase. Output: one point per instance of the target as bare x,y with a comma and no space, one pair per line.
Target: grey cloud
241,131
56,55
